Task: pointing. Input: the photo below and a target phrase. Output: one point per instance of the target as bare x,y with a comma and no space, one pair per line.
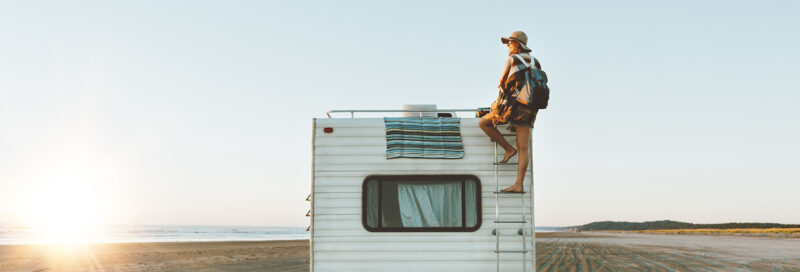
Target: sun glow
65,212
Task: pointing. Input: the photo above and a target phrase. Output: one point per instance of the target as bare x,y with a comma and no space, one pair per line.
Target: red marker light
328,129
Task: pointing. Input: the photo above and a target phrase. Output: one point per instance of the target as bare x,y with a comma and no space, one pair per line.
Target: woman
511,107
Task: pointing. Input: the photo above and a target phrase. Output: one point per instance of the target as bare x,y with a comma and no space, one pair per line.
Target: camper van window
421,203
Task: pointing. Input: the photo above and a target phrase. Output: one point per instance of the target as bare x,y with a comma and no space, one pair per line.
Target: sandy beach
180,256
664,252
555,252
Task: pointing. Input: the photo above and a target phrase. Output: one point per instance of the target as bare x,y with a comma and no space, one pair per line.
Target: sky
200,112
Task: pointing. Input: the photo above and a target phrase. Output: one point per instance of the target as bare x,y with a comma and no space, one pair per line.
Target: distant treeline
667,224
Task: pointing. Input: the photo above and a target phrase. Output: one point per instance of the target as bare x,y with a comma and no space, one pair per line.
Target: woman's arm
504,76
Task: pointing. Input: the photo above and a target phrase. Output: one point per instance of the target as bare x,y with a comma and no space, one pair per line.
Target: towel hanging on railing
423,137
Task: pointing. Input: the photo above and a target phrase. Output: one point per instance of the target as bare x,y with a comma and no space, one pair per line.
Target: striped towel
423,137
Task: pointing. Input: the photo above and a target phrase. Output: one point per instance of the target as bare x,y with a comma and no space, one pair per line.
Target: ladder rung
510,221
510,251
510,193
505,163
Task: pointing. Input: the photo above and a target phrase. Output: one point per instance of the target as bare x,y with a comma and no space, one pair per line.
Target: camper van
381,200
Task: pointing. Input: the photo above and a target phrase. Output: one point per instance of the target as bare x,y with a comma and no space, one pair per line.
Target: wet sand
554,251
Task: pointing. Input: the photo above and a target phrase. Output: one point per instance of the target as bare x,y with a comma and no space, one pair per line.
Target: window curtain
431,205
372,203
471,203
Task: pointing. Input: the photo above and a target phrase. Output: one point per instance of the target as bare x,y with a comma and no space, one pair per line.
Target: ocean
165,233
11,235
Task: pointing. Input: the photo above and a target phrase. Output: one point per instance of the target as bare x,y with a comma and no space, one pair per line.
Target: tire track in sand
575,255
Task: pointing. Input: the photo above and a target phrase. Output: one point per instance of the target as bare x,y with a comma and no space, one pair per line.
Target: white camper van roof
419,111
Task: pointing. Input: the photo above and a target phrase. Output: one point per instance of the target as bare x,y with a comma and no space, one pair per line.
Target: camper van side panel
313,175
355,149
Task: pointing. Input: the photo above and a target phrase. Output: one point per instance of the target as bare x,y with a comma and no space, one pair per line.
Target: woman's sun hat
518,36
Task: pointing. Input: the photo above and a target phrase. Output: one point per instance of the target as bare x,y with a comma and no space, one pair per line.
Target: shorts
515,115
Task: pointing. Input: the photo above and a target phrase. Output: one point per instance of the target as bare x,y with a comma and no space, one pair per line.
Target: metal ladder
523,220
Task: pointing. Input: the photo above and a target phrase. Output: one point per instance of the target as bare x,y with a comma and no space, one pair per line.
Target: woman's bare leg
496,136
523,138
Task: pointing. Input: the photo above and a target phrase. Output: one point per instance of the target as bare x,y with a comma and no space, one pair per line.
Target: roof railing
352,112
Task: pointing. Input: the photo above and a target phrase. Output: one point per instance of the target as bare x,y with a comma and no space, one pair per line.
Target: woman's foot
509,154
513,189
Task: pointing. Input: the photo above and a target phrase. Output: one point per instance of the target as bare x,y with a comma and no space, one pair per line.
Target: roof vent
427,107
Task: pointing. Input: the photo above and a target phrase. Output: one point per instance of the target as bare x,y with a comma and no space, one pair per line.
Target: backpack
541,92
536,93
